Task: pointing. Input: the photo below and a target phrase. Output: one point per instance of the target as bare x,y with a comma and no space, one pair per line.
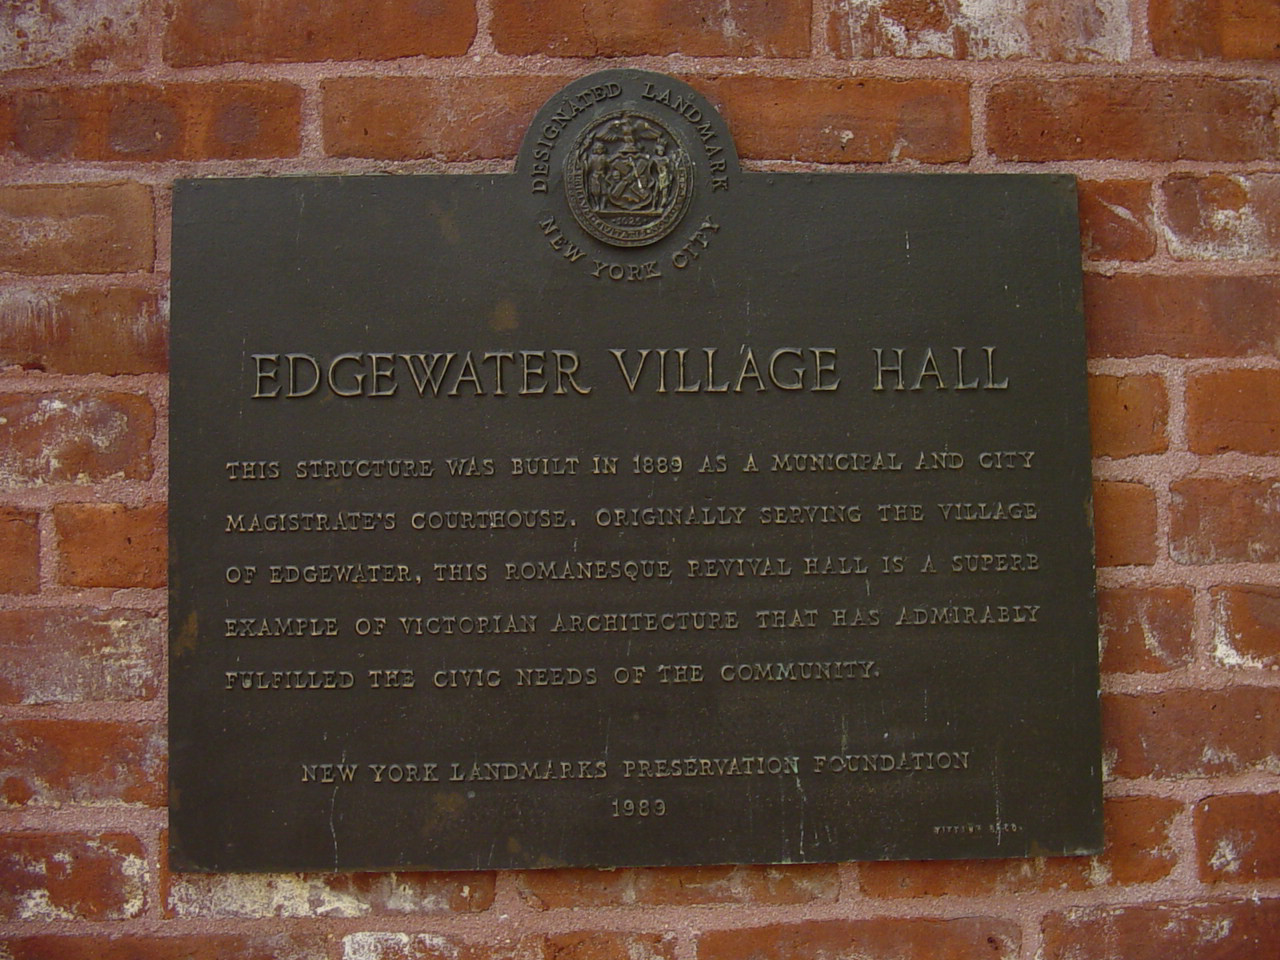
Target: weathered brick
201,946
72,33
855,120
20,547
399,118
387,945
328,895
1234,411
71,877
1138,851
1124,523
699,28
1246,625
76,654
578,945
1071,30
1128,415
1236,837
1145,629
1203,930
880,939
288,31
678,886
74,437
119,330
1193,733
1116,220
111,545
1132,118
1215,29
54,763
1222,216
1221,520
1130,315
145,121
76,228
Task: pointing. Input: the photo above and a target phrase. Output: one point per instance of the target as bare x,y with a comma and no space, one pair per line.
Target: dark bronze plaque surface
629,508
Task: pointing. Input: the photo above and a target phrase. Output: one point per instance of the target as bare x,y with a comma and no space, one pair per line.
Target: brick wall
1166,111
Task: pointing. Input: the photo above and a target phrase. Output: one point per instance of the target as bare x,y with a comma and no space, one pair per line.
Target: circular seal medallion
627,179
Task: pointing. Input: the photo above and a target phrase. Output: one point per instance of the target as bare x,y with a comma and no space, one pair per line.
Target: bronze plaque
629,508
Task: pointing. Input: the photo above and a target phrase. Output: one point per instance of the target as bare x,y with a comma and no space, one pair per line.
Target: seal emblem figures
627,179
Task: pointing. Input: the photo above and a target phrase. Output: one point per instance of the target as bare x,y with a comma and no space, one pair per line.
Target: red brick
76,228
1124,523
119,330
74,34
327,895
1193,733
75,654
698,28
1132,118
201,946
291,31
74,437
1128,415
1204,930
54,763
1217,520
856,120
1138,851
967,938
679,886
1129,315
400,118
1246,625
71,877
110,545
1115,220
1215,29
20,547
1234,411
142,121
1222,216
1145,629
1236,838
1140,848
608,945
1071,30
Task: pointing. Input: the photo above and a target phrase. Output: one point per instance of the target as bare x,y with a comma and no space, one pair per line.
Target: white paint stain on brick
1213,929
70,426
1224,650
1079,30
1122,212
728,25
38,33
1109,758
1226,856
1212,756
1222,233
118,667
1099,872
135,873
36,905
403,898
380,946
262,895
